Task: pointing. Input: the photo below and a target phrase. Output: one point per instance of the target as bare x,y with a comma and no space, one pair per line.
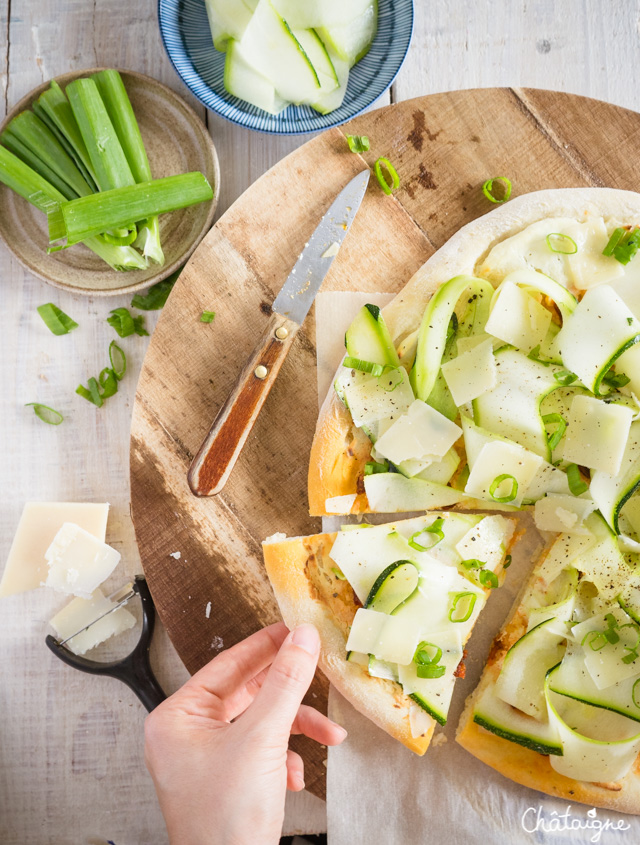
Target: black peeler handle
134,670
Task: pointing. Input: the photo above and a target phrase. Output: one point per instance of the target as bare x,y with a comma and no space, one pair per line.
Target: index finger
206,692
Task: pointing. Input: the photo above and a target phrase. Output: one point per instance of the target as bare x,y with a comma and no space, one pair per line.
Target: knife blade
215,459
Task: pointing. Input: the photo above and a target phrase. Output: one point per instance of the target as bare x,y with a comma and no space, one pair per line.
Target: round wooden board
444,147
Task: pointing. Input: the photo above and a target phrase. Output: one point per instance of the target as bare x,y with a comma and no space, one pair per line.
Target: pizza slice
394,605
558,705
506,371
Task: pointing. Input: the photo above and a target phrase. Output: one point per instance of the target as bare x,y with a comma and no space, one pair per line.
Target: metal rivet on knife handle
261,371
282,333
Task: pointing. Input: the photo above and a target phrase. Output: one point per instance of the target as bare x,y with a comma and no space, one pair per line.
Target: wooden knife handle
216,457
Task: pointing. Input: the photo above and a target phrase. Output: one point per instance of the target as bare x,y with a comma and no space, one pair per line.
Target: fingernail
306,637
300,783
343,732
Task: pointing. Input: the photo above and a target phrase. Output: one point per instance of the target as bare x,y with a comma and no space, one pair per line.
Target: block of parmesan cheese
26,567
81,612
78,562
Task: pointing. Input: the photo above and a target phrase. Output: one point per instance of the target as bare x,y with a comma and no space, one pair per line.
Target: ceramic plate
176,141
187,38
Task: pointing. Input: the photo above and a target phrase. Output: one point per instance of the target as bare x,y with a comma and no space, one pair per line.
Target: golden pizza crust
332,472
307,591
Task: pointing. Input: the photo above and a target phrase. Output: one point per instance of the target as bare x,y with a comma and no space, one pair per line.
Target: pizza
505,376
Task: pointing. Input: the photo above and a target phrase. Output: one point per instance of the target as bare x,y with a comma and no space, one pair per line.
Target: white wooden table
71,767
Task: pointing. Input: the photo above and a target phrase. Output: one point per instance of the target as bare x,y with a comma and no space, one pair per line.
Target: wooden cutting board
444,147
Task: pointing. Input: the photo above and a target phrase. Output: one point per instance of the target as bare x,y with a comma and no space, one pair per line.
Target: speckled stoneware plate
176,141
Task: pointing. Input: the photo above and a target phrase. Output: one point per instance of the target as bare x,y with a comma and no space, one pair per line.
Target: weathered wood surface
71,766
444,147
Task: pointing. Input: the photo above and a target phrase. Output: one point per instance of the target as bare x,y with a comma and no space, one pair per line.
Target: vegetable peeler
134,670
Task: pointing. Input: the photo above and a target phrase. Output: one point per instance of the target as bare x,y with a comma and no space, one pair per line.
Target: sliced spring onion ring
155,298
394,379
126,325
595,640
386,186
56,320
563,244
435,529
363,366
108,382
488,578
118,360
616,380
565,378
576,484
627,246
468,602
534,355
473,563
90,393
123,237
427,665
497,482
207,316
48,415
358,143
614,240
507,562
372,467
487,189
558,434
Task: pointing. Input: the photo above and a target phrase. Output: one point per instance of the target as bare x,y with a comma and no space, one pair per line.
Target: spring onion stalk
78,219
26,182
387,186
48,415
118,360
54,103
37,137
155,298
99,135
207,316
64,143
120,111
358,143
56,320
15,146
562,244
487,189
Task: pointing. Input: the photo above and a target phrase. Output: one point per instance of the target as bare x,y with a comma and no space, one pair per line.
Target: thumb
288,680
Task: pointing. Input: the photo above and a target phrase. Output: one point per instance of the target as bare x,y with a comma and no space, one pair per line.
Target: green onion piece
435,529
32,160
487,189
122,321
562,244
207,316
422,655
614,240
120,111
90,393
139,327
629,658
616,380
467,603
108,382
497,482
118,360
363,366
473,563
558,434
430,670
595,640
372,468
611,634
123,238
358,143
392,379
565,378
156,296
627,248
339,575
75,220
534,355
48,415
507,562
488,578
56,320
629,321
576,484
387,186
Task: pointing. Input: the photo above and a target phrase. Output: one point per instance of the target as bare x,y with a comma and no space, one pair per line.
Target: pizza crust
290,565
331,470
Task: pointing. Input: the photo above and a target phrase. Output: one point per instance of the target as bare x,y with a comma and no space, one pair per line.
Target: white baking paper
379,792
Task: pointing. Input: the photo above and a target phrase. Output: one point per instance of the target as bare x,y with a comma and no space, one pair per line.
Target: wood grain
444,147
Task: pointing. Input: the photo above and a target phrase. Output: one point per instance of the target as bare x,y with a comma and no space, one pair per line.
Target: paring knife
217,455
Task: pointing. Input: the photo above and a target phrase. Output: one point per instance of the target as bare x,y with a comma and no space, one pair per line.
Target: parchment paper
379,792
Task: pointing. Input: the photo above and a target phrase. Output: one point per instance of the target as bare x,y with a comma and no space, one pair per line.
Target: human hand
217,749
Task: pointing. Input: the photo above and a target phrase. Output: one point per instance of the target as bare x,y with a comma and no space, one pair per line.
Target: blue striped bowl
187,39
